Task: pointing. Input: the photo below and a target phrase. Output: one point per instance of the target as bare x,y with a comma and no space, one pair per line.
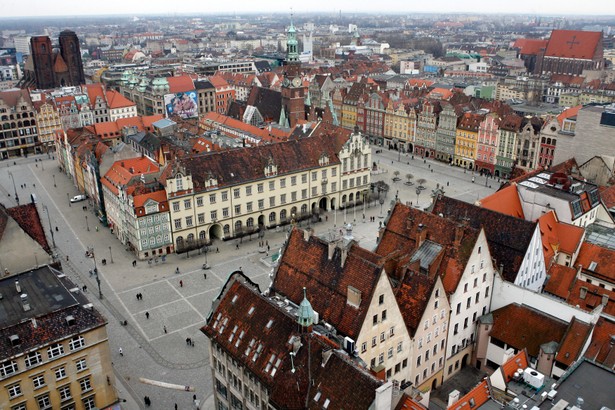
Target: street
154,344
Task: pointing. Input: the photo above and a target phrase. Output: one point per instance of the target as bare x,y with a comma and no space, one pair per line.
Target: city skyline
39,8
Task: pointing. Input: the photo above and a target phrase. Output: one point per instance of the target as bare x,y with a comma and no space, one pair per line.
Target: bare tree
421,181
409,179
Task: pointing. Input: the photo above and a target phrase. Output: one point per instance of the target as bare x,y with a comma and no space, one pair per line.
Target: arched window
272,217
250,222
350,197
202,235
190,238
180,241
304,209
227,229
343,199
283,215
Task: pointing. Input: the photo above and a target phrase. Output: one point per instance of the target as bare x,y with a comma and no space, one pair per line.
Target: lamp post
110,255
14,187
100,295
68,199
50,228
54,181
418,192
86,223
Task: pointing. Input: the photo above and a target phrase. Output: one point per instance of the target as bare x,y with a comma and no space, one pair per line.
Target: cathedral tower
292,90
71,53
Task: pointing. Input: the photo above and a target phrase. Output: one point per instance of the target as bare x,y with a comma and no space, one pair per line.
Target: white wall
505,293
532,272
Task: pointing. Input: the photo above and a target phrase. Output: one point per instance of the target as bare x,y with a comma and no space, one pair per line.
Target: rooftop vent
24,302
70,320
14,339
17,286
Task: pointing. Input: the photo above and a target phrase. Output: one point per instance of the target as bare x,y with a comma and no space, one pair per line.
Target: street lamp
418,192
86,223
110,255
14,187
54,181
100,295
68,199
50,228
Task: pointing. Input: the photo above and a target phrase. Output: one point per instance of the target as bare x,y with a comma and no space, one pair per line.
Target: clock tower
292,90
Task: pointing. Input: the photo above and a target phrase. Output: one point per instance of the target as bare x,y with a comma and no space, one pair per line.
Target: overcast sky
16,8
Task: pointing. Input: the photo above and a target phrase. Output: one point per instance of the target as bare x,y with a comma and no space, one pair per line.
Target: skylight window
234,299
240,338
259,349
230,338
223,325
269,324
251,311
250,346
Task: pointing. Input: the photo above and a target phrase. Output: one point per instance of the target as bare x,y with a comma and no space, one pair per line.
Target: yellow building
241,192
349,105
48,121
400,124
55,350
466,140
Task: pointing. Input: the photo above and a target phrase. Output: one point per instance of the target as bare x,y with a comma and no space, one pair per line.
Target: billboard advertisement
183,104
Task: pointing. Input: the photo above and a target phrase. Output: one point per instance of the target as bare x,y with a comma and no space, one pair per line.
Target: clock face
296,82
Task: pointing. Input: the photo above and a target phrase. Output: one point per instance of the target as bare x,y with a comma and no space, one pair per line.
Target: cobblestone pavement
149,351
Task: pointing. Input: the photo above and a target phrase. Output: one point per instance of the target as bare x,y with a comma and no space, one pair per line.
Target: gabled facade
529,143
48,122
487,144
466,140
400,125
19,133
426,126
446,133
508,140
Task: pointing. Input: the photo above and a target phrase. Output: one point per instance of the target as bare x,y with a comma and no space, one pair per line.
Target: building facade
19,131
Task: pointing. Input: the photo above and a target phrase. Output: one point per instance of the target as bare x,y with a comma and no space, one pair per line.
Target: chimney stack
24,302
421,235
583,292
458,234
17,286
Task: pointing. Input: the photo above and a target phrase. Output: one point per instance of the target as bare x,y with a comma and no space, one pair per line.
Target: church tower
71,53
292,90
41,54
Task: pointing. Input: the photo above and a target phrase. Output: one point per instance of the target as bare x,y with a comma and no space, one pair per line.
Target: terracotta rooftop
11,98
574,340
409,228
518,361
597,261
568,113
522,327
406,403
508,237
241,165
574,44
180,84
601,349
561,279
121,172
505,201
474,399
607,194
261,336
529,46
116,100
558,236
306,263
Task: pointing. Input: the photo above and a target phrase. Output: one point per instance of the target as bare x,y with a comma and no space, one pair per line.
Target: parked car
78,198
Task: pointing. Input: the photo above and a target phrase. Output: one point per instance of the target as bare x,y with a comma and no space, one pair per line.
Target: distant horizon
14,9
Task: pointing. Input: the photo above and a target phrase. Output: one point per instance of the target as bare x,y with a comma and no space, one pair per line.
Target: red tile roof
561,279
306,264
400,238
529,46
607,194
93,91
522,327
180,84
406,403
474,399
518,361
505,201
602,347
572,345
568,113
11,98
604,258
558,236
121,172
117,100
259,335
574,44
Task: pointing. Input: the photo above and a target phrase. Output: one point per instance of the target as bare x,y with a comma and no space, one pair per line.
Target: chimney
331,249
344,254
583,292
453,397
379,372
306,234
421,235
605,299
384,397
17,286
458,234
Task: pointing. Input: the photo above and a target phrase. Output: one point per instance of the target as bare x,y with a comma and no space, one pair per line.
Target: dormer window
179,182
271,170
211,182
323,160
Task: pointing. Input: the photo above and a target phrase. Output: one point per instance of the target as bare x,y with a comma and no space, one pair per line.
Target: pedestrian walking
137,296
181,283
147,315
66,258
177,270
85,288
175,406
204,275
217,250
57,229
188,341
121,351
134,263
165,329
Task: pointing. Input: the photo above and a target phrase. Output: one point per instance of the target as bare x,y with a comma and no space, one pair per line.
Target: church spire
305,313
292,45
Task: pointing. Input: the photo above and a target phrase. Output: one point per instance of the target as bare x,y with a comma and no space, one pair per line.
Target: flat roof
45,292
593,383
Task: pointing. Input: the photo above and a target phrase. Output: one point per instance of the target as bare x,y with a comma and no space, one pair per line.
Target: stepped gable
522,327
508,237
242,165
306,263
400,240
